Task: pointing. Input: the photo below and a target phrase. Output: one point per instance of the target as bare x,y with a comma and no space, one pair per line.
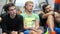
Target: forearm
37,24
45,15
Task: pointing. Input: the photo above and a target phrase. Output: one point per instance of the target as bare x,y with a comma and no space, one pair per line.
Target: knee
33,32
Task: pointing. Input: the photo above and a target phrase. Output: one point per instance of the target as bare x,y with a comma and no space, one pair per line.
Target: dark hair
44,6
6,6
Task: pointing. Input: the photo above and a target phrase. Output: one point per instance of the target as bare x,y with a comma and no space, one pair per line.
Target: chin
30,11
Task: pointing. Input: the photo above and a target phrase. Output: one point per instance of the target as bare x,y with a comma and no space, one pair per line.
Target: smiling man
12,23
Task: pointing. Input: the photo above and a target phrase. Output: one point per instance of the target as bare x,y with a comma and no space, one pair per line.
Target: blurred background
20,4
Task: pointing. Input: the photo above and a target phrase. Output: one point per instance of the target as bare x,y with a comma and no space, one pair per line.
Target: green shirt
30,20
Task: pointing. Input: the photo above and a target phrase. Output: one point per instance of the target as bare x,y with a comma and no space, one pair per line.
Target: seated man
31,20
12,23
46,16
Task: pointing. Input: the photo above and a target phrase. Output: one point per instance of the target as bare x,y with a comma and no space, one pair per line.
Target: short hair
44,7
27,3
6,6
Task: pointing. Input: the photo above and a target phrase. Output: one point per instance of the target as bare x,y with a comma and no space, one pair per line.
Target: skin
12,13
28,10
48,15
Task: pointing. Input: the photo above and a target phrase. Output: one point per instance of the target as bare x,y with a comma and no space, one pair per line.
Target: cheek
29,7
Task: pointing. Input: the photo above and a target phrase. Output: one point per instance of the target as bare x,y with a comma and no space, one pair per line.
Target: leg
50,22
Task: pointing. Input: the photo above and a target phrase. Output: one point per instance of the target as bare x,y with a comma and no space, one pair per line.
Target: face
48,8
29,7
12,10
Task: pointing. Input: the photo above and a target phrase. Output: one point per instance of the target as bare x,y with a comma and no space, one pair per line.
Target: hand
34,29
14,32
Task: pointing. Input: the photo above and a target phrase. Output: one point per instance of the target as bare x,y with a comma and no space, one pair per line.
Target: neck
28,12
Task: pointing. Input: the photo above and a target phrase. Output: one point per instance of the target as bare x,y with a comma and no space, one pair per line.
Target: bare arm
37,24
47,14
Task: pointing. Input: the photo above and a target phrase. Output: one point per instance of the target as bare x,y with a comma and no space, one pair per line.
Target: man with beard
47,17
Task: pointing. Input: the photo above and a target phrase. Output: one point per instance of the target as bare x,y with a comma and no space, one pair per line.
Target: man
31,20
47,17
12,23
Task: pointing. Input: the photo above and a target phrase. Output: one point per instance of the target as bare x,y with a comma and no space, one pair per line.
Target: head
47,8
29,6
10,9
